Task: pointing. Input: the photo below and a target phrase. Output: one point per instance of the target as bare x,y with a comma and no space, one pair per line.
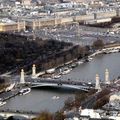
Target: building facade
7,25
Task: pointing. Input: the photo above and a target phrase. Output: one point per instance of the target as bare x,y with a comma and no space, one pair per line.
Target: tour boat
25,91
2,103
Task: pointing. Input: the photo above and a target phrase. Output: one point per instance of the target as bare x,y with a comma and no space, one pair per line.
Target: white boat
2,103
89,83
25,91
90,58
114,51
55,97
107,52
73,65
56,76
66,71
50,71
111,51
80,62
10,87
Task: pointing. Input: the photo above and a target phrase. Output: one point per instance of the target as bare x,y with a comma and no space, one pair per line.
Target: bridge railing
61,81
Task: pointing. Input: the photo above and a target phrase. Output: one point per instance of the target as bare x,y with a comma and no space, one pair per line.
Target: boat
90,58
25,91
2,103
89,83
66,71
56,76
111,51
10,87
50,71
80,62
114,51
107,52
55,97
73,65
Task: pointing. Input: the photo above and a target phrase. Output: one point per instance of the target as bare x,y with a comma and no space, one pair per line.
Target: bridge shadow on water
58,89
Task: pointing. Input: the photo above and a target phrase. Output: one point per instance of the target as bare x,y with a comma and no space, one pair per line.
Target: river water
41,99
87,71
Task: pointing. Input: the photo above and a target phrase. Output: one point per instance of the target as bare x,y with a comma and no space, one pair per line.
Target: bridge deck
60,83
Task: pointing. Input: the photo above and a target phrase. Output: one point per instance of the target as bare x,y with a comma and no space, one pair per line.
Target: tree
79,97
69,103
82,51
103,93
45,115
98,44
91,92
101,102
59,116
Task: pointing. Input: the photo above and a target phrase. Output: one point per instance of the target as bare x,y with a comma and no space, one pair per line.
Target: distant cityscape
23,15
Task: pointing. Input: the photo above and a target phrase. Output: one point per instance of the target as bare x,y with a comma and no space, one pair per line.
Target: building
97,21
90,112
42,22
9,25
115,96
25,2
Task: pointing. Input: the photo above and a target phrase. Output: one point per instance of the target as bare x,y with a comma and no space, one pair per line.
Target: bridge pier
97,85
107,80
33,71
22,77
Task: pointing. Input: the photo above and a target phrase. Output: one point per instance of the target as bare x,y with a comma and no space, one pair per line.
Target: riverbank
68,67
46,54
23,53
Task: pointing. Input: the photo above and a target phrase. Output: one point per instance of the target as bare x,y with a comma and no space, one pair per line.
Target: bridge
34,81
9,113
60,84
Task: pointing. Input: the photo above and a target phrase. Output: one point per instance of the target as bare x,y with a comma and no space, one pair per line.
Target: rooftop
6,21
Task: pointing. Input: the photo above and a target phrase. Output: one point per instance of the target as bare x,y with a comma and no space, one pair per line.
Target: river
41,99
88,70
